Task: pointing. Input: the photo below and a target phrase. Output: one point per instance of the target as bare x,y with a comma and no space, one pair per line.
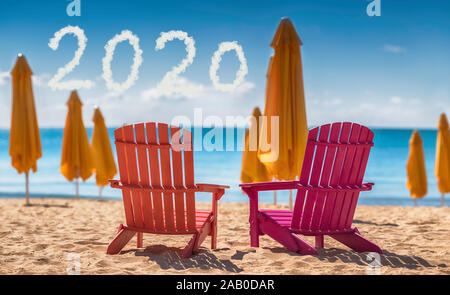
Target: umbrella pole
27,191
415,202
77,185
100,189
290,199
77,193
442,200
274,197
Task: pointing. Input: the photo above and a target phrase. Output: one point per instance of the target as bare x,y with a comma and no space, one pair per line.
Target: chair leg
357,242
196,240
187,252
203,233
285,237
140,237
122,237
214,234
254,233
320,242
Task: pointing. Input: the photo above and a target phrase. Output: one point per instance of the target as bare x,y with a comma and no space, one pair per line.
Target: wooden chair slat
153,157
166,176
177,169
146,197
188,154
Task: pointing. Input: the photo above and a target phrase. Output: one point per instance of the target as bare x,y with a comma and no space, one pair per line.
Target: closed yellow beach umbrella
285,99
105,167
252,168
24,139
416,179
76,158
442,166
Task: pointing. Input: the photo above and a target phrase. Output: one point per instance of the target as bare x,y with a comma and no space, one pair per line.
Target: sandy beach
37,239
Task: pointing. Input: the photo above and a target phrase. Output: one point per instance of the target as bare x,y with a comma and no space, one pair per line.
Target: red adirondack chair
327,192
153,202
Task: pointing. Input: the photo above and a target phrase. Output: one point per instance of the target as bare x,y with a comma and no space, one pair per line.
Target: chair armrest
367,186
212,188
270,185
114,183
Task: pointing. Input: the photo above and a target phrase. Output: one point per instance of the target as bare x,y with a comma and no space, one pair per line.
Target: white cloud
41,80
191,90
185,89
4,76
396,100
394,48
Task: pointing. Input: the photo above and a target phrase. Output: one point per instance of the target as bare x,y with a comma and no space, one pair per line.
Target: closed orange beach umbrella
252,169
442,166
24,140
76,158
105,167
416,179
285,99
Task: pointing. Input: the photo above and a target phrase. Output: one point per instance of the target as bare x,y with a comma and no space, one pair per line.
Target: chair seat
283,217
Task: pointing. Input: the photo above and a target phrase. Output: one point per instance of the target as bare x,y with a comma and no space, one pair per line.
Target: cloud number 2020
168,79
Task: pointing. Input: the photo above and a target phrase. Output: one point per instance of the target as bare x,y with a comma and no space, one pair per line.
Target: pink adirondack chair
154,203
327,192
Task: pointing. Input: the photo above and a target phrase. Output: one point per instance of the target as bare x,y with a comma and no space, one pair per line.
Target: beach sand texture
37,239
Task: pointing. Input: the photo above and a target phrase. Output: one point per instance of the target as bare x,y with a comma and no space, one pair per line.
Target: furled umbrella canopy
442,165
252,169
416,180
24,139
284,99
105,167
76,158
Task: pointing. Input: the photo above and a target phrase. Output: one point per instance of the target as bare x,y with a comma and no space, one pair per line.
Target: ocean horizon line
2,128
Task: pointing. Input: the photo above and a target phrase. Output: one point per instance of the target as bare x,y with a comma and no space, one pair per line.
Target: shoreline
432,202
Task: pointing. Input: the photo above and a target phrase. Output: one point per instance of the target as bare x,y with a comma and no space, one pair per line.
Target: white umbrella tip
19,55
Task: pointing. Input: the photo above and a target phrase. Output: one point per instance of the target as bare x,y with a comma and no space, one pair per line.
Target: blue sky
392,70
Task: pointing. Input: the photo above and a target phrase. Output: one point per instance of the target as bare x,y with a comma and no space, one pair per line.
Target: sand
38,239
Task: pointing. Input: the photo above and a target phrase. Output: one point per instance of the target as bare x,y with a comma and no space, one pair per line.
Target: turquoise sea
386,168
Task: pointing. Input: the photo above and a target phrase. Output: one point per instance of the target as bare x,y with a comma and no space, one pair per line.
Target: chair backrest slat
144,175
338,157
133,175
153,156
166,176
123,172
188,154
177,165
